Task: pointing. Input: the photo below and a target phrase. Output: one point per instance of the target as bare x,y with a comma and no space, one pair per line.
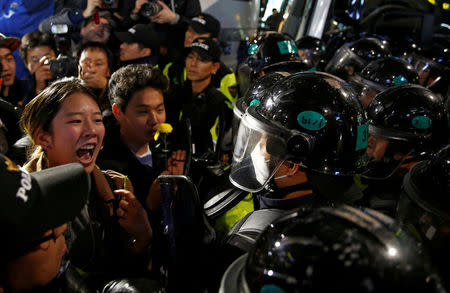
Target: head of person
274,11
311,50
381,74
202,26
329,249
34,46
65,124
136,93
33,214
7,46
311,120
203,59
138,42
407,124
95,63
352,57
433,66
266,49
97,32
424,205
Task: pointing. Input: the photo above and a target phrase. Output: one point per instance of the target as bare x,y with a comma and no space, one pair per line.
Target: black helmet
433,66
254,95
424,205
407,122
380,74
310,118
311,49
268,48
351,58
340,249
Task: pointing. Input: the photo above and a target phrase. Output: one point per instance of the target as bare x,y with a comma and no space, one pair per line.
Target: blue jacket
18,17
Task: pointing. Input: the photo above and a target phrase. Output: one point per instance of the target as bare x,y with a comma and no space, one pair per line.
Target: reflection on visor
386,156
257,156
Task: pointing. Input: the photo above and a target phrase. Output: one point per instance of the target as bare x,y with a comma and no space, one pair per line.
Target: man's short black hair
132,78
98,46
35,39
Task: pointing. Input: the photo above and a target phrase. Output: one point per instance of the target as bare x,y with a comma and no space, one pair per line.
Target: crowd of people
134,160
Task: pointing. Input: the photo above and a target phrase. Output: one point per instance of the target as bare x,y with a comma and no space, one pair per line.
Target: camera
64,65
150,9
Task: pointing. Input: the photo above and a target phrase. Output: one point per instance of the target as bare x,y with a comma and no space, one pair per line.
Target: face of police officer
39,266
198,69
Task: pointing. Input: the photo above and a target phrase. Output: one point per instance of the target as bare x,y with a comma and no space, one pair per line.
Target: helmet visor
365,89
258,153
388,152
345,63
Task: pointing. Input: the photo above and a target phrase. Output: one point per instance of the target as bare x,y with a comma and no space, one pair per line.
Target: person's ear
293,169
43,138
146,52
215,67
116,112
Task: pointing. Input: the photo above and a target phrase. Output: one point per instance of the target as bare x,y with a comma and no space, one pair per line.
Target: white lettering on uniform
25,186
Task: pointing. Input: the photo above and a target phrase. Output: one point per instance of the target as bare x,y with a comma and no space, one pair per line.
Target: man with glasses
34,209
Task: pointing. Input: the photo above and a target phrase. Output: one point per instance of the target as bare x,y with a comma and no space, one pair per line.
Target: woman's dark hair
40,112
132,78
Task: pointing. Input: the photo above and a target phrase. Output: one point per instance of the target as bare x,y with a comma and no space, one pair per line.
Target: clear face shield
432,75
366,89
345,63
258,153
388,152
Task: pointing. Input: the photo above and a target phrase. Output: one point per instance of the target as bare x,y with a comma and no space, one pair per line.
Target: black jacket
202,109
116,156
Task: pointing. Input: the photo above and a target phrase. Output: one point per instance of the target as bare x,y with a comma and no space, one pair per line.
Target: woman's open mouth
85,153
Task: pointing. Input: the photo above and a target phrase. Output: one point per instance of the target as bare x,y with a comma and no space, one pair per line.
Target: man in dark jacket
198,99
139,45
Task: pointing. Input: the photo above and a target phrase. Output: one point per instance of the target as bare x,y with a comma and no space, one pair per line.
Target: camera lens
150,9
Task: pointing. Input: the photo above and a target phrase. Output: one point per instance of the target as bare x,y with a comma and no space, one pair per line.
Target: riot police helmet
381,74
311,49
407,124
433,66
340,249
352,57
424,205
266,49
312,119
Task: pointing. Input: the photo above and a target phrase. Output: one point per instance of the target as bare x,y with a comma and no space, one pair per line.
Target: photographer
82,29
169,20
35,50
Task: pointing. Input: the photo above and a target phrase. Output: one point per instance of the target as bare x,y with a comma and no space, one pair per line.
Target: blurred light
392,251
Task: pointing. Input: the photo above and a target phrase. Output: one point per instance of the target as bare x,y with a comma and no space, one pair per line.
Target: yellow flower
163,128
